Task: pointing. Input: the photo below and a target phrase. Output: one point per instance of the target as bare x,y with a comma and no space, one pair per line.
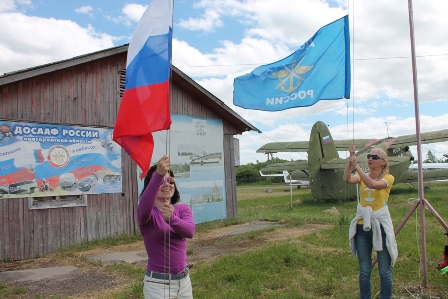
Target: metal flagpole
421,200
417,130
290,189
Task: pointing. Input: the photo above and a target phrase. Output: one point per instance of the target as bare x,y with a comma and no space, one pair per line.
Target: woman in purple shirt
165,224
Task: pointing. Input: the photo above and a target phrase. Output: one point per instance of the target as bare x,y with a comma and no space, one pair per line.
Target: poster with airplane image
195,147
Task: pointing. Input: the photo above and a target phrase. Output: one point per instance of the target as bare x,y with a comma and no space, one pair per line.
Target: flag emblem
291,75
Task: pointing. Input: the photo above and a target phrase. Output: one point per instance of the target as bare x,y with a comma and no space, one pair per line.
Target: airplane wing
435,175
289,166
428,175
302,146
401,177
362,161
428,137
342,145
276,147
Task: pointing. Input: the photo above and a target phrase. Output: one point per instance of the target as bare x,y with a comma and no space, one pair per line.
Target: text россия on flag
319,70
145,106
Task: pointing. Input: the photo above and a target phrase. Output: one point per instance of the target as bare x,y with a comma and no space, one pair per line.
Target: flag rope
168,151
352,70
168,226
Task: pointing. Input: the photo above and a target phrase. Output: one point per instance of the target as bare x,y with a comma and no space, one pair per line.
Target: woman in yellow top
372,227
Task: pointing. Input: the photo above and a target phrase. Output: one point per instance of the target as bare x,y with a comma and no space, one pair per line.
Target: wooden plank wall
84,95
230,177
28,233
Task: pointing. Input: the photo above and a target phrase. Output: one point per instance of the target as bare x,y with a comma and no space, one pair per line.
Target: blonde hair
383,155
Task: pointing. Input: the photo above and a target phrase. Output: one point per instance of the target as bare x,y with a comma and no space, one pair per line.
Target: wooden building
86,91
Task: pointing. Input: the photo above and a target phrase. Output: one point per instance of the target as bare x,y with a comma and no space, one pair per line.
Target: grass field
318,264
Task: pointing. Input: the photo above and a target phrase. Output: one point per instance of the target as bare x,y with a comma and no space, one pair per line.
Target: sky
215,41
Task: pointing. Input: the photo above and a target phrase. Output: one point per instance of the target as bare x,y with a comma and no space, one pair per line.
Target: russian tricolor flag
145,106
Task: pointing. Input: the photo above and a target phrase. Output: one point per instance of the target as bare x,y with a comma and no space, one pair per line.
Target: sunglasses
169,180
374,157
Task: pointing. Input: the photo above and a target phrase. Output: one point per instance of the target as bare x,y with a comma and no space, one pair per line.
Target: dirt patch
90,279
79,281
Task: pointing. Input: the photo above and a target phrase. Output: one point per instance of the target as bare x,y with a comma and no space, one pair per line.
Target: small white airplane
286,176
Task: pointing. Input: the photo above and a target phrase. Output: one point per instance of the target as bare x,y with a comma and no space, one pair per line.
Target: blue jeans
363,242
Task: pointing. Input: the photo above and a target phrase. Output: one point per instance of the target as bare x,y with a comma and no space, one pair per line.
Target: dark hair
176,196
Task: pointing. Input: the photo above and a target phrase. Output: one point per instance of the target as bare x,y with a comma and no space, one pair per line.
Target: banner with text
40,160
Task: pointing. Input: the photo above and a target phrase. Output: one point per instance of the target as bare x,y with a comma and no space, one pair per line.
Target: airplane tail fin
321,146
325,178
286,176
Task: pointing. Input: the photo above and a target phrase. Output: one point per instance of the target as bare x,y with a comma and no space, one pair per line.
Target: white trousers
162,289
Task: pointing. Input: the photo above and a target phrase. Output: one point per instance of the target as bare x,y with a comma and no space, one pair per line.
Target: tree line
431,158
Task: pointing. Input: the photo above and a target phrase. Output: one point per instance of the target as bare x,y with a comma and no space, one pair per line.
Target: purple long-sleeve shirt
167,253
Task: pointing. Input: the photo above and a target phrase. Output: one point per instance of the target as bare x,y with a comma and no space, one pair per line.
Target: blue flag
319,70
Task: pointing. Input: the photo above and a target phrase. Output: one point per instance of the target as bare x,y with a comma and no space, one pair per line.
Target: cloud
7,5
267,20
206,23
231,59
134,12
85,10
131,15
27,41
14,5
